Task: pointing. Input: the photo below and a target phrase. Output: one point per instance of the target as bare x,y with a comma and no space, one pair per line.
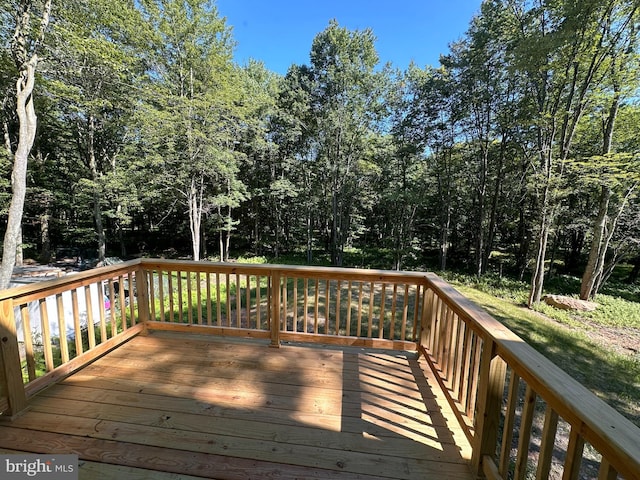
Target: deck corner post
142,295
11,383
426,320
491,383
276,290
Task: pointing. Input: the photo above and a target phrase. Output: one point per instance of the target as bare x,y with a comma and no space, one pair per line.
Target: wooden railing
359,307
513,403
524,416
51,328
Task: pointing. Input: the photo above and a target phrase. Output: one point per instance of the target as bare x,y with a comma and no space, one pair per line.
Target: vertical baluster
258,302
228,287
102,320
276,289
76,321
305,322
283,297
209,306
269,288
238,302
392,322
459,356
132,298
160,295
467,369
247,302
526,421
573,459
453,348
218,301
349,294
112,308
28,341
101,307
338,294
171,295
416,304
442,335
295,304
315,305
327,304
199,320
90,326
359,320
383,301
123,308
546,446
405,313
475,369
371,300
46,335
180,300
607,472
152,296
436,316
509,425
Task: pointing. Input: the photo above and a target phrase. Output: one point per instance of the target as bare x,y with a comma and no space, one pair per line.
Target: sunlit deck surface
173,405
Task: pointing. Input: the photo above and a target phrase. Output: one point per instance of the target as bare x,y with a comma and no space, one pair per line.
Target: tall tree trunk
537,279
596,253
28,122
228,236
600,242
97,196
493,215
195,215
26,61
45,239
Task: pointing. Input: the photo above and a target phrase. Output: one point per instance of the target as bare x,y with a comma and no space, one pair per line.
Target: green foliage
617,304
613,377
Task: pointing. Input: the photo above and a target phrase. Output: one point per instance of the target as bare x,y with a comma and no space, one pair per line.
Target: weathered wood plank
297,434
165,459
262,450
326,411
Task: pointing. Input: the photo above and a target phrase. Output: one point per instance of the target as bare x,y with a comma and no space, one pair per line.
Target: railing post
142,294
275,308
426,318
11,384
489,402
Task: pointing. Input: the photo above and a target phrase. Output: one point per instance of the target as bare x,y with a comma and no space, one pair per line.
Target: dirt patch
625,341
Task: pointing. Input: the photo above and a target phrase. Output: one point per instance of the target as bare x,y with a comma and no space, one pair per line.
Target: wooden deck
171,405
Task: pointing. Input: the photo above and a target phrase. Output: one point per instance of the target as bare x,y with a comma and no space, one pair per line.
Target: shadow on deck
176,405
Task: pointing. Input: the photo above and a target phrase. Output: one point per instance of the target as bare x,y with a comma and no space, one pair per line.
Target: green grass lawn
562,338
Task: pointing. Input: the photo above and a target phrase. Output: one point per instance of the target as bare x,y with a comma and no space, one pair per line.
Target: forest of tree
519,152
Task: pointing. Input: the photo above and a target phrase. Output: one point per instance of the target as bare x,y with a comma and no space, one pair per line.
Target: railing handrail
58,285
606,429
613,435
332,273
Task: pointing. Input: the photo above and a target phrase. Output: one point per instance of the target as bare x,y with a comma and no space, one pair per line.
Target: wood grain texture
172,403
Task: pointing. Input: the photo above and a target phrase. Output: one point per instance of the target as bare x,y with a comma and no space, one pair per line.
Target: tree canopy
517,152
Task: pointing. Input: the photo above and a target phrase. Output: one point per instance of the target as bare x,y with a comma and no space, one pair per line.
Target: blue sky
280,32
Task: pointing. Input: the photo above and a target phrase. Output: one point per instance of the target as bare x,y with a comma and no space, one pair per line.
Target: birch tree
31,22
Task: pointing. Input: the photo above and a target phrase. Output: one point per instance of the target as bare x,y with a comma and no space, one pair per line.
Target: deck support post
142,295
427,318
491,382
276,290
11,384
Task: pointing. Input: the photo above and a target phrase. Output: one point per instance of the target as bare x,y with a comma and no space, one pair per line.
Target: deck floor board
172,404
